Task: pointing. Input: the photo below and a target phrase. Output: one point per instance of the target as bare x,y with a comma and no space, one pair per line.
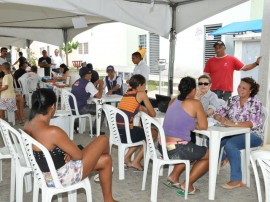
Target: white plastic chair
151,153
21,168
265,116
254,157
49,192
10,116
65,95
5,154
111,113
16,88
25,91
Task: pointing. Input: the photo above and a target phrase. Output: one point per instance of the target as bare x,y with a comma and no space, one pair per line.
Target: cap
110,68
219,43
83,71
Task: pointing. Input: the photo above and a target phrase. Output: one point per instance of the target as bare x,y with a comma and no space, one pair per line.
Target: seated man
95,75
19,72
113,82
83,89
33,79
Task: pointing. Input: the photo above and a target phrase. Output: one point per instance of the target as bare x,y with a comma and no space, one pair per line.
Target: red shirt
221,71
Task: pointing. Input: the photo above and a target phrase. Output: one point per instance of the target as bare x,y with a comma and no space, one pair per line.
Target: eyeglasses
203,83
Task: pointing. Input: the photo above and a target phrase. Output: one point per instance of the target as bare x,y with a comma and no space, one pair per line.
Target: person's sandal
193,192
227,186
172,185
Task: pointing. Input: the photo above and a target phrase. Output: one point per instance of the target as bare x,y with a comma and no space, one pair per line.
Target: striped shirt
130,106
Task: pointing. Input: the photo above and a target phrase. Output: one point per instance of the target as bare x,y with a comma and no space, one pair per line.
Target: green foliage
70,46
33,59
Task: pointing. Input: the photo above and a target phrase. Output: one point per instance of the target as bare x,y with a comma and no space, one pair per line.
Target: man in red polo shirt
221,68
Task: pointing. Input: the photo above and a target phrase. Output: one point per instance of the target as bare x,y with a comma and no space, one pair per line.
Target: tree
70,46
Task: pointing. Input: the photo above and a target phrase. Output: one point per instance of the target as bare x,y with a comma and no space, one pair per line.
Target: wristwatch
236,123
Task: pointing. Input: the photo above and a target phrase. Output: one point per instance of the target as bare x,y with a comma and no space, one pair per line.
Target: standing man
140,67
113,82
221,68
56,61
83,89
19,72
21,59
3,59
45,62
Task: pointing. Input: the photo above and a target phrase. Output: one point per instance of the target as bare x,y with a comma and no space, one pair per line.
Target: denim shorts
189,151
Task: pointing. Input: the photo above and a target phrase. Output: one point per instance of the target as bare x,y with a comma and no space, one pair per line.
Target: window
209,41
83,48
142,41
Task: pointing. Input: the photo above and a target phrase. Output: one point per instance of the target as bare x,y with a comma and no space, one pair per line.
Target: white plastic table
215,134
99,102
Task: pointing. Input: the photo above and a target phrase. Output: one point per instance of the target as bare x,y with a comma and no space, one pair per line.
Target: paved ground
130,188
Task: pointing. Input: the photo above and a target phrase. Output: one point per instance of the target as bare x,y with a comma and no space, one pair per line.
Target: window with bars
83,48
209,41
142,40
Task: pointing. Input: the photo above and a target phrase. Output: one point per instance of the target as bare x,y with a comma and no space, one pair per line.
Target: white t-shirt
32,80
142,69
90,88
57,60
2,60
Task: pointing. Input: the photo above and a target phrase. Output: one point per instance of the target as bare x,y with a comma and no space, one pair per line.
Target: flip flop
135,169
181,192
172,185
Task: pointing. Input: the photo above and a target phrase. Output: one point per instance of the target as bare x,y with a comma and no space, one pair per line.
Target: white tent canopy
12,41
163,17
41,23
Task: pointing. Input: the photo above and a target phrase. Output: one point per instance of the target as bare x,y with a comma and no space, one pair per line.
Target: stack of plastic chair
20,167
111,113
148,122
49,192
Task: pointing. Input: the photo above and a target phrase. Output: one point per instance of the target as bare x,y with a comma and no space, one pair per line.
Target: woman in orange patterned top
131,105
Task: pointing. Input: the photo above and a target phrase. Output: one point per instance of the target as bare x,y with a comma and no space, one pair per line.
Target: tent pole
28,42
66,48
172,50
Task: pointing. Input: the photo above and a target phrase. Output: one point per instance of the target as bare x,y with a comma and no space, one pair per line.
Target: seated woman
184,115
131,105
242,110
64,73
69,160
7,95
208,98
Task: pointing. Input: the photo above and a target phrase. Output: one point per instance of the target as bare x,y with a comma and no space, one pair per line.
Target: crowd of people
185,113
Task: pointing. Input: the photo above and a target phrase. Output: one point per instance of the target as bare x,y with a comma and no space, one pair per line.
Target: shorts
136,134
8,104
69,174
189,151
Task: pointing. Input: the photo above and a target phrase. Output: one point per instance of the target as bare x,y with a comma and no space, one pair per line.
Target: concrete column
264,68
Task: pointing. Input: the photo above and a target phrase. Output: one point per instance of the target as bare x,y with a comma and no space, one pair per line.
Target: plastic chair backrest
24,85
14,143
66,95
111,113
148,122
28,143
265,167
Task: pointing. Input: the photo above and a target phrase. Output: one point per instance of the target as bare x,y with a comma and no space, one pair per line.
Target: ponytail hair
42,99
186,85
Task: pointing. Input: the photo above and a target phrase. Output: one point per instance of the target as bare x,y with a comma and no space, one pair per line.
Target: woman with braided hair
183,115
